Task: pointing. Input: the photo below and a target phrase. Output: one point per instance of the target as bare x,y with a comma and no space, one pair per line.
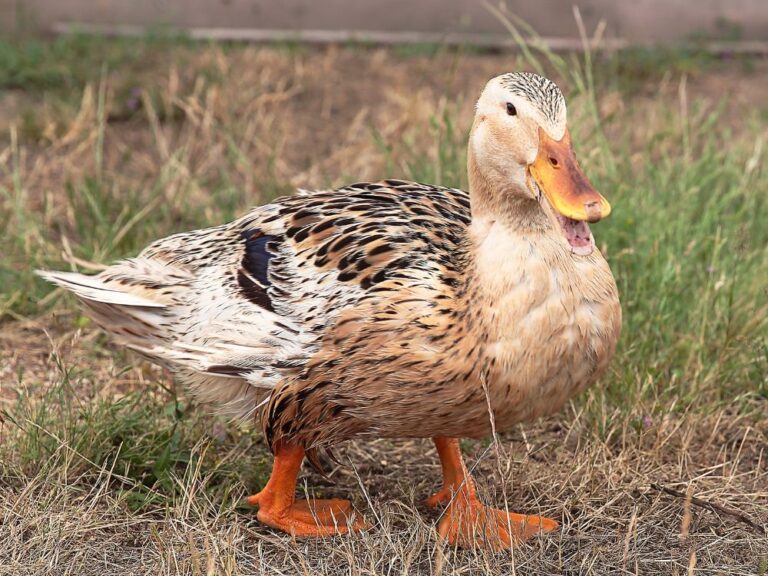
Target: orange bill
559,176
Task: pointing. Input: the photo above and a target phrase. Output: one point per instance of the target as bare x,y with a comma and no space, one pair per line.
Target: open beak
559,176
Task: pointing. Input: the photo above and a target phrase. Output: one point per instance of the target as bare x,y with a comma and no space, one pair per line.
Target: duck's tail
95,289
143,305
136,314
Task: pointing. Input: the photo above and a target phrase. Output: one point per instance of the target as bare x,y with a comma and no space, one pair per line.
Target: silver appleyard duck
390,309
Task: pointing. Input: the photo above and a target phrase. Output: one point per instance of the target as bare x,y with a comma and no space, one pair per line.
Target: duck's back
237,308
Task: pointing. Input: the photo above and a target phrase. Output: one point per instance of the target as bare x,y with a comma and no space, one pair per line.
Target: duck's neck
509,239
496,199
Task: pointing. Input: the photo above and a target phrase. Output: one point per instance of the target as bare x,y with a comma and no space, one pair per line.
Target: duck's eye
511,110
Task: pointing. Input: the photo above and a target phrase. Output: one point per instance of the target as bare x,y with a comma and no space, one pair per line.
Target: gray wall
641,21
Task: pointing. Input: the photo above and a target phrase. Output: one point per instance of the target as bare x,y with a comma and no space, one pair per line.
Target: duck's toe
470,524
441,497
310,517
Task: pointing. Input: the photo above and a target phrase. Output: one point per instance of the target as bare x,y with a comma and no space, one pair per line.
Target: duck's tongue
578,235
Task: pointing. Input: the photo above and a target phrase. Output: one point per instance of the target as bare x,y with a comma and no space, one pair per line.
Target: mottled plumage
386,308
243,307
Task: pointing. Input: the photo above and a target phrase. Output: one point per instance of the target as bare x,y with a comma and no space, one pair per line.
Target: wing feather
243,306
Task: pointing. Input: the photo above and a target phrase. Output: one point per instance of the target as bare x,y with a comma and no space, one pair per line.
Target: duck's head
520,151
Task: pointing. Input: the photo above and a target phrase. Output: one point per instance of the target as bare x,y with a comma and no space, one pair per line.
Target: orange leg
467,522
278,507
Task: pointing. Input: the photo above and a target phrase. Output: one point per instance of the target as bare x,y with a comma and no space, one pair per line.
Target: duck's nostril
553,161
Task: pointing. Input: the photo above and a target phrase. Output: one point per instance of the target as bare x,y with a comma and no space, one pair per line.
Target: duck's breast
552,321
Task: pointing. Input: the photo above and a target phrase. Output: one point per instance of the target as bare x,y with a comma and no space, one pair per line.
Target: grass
143,438
107,145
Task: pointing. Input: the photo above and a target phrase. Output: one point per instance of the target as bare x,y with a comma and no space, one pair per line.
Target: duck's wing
236,308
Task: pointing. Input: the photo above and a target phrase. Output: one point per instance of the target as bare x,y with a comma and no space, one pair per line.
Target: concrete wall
644,21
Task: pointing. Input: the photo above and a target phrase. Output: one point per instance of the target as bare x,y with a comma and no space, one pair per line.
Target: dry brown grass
68,516
221,129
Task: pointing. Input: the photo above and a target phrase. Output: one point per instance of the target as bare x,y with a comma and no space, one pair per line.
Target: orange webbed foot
308,517
279,509
468,523
322,509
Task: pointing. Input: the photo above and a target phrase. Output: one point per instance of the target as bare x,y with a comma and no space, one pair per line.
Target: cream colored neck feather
509,203
512,246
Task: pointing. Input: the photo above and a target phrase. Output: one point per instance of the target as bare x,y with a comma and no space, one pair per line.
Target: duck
390,309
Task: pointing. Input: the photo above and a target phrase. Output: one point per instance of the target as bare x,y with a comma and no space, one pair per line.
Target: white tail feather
224,354
95,289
